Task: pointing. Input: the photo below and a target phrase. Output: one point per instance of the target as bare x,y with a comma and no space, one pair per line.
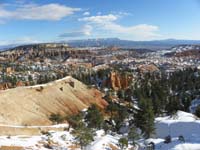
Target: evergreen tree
83,135
173,105
56,118
145,117
121,94
75,120
123,143
106,127
111,108
94,118
133,135
197,112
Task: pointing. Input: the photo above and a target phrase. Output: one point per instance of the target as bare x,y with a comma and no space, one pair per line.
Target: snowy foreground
60,141
182,123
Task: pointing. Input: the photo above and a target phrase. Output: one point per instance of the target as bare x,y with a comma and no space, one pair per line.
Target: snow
175,145
62,140
181,123
19,141
102,141
179,116
187,147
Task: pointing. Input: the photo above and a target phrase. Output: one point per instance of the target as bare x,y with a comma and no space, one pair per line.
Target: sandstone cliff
119,81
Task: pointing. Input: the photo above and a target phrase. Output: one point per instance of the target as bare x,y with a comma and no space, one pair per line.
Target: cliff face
5,86
119,81
33,105
40,52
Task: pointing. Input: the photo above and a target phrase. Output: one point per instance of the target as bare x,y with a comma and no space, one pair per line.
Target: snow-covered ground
60,141
175,144
181,123
103,142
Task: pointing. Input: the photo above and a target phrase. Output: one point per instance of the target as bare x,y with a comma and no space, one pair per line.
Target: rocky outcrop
188,53
4,86
8,85
42,52
148,68
33,105
21,83
120,81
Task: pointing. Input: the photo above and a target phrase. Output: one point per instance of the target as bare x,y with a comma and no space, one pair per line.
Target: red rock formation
120,81
5,86
20,83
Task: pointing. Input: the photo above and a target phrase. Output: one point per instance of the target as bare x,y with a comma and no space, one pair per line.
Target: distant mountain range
154,45
5,47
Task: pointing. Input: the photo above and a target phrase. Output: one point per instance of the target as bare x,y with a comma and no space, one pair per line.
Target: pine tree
111,108
94,118
197,112
75,120
145,117
133,135
83,135
173,105
123,143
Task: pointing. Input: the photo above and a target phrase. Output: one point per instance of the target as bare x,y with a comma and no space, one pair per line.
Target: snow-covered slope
175,144
181,123
60,140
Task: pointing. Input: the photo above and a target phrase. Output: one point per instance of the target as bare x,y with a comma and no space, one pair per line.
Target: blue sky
25,21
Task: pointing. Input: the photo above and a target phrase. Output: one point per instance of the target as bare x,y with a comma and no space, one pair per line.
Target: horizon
84,39
26,22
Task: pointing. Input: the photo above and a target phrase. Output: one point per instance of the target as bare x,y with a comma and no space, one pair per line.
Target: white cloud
85,31
23,40
100,19
52,12
124,13
87,13
109,24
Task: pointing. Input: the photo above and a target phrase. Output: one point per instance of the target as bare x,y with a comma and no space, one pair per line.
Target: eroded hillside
33,105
